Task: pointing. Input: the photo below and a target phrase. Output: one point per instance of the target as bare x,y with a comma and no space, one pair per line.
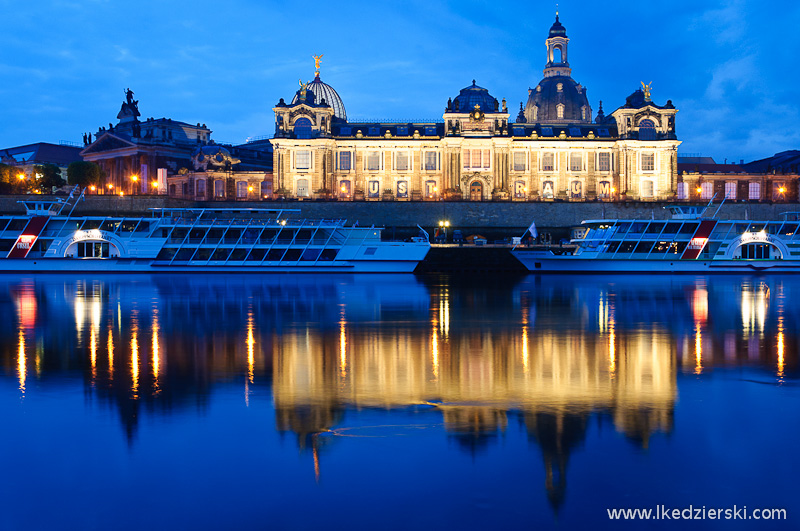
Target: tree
48,176
84,173
9,179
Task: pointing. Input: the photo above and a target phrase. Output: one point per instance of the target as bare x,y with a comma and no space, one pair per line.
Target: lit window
706,190
487,159
560,111
648,161
604,161
302,128
201,187
431,161
241,189
754,191
647,130
548,162
575,162
374,160
648,188
401,161
477,159
683,190
519,161
345,160
302,160
730,190
465,157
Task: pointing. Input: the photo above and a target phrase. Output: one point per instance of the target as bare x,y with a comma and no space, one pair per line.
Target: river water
394,401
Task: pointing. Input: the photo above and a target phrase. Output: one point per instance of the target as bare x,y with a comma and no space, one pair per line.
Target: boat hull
127,265
540,262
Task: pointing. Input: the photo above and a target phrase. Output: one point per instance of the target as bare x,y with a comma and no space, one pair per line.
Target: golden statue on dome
646,90
316,61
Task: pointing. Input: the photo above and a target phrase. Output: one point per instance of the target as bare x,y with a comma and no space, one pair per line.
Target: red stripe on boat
699,239
25,241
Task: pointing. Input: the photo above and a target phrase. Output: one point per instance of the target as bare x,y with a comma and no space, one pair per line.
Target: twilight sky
729,67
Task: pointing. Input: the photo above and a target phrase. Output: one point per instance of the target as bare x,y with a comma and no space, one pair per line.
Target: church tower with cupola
556,43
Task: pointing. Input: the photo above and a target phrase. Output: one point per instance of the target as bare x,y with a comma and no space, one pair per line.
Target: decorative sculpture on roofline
130,108
316,61
647,90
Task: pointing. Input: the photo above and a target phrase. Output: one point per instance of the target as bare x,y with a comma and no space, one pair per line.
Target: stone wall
403,214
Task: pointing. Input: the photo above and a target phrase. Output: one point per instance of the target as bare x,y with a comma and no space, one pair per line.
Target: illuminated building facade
553,149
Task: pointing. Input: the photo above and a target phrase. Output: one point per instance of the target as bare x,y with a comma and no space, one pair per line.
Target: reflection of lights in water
700,305
698,351
110,353
93,353
156,353
444,313
612,349
251,344
525,354
755,302
80,310
135,357
21,362
435,352
781,362
602,314
342,347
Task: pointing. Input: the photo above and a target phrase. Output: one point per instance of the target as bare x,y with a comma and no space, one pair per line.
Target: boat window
661,247
644,247
143,226
275,254
774,228
91,224
213,236
17,224
655,227
627,247
196,235
789,229
4,224
303,236
256,255
5,245
166,253
328,255
109,225
232,236
238,255
689,228
757,227
202,255
178,235
184,254
250,235
637,227
672,228
741,228
128,225
268,236
309,255
677,247
720,230
221,254
622,229
292,255
370,251
755,251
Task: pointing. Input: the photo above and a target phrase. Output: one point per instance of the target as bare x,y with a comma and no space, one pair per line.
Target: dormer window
560,111
560,87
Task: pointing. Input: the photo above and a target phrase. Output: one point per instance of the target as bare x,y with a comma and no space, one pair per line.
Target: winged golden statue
647,90
316,60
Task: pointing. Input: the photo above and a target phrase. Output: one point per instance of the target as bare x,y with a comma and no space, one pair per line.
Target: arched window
557,54
560,111
302,128
647,130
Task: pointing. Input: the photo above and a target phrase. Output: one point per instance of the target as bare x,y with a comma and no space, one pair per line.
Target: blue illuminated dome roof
475,95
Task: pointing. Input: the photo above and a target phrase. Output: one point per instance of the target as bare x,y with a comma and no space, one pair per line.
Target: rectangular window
430,161
402,130
201,187
548,162
477,159
648,188
604,161
466,158
345,159
519,161
754,191
302,160
648,162
706,190
683,190
374,160
575,162
730,190
401,161
487,159
241,189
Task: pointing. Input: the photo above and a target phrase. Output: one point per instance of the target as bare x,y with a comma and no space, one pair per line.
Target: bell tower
556,43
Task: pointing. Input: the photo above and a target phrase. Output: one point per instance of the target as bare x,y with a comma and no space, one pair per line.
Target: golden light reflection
93,353
700,305
435,351
698,351
156,353
110,347
22,362
612,349
251,344
781,361
342,347
135,361
525,354
444,313
755,303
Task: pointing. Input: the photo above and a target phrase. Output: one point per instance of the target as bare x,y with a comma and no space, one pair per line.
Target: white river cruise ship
50,239
687,243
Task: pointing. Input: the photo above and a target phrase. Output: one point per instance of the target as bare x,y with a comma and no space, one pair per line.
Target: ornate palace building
553,149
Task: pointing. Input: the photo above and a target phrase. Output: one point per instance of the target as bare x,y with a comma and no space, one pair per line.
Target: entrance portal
475,191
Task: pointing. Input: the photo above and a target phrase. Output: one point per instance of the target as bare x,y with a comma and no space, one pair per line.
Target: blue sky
729,67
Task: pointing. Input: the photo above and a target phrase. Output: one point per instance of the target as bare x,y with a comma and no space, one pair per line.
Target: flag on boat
532,230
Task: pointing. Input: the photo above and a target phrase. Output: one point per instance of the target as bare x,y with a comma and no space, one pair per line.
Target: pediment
107,142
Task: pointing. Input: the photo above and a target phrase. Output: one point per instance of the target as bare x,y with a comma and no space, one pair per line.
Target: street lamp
135,179
92,188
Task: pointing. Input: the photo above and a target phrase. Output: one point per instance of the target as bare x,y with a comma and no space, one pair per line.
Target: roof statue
316,60
130,108
647,90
